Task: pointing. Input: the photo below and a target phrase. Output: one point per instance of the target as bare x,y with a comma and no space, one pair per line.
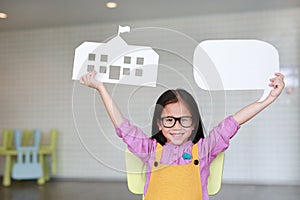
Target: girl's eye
169,119
186,121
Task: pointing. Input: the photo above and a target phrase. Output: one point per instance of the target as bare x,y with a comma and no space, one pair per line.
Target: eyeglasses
185,121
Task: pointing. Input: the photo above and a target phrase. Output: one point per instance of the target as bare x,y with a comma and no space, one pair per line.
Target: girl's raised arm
111,108
253,109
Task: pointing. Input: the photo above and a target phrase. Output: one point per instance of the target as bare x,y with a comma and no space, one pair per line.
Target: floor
60,190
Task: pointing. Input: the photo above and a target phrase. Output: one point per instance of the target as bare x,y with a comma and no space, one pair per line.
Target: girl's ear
158,122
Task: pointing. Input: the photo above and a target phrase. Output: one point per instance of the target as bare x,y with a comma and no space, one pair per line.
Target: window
92,57
126,71
139,61
114,72
104,58
127,59
139,72
102,69
90,68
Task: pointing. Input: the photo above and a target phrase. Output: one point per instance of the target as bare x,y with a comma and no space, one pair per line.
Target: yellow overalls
175,182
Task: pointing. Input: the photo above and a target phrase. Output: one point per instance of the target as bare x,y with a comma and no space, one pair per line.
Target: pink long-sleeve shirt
209,147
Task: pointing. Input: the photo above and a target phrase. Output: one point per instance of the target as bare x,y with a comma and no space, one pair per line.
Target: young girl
177,156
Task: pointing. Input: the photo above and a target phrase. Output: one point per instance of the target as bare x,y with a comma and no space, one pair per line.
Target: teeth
176,133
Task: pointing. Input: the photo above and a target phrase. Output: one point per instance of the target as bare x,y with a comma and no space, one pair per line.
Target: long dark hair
172,96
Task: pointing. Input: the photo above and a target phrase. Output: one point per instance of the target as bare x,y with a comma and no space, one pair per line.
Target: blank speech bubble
235,65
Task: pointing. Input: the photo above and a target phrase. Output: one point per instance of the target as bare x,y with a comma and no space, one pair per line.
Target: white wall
37,92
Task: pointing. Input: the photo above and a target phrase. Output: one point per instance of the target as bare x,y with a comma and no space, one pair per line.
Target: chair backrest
28,137
136,176
27,166
53,140
7,140
216,172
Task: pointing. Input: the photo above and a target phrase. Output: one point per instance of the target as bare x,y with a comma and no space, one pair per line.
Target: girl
177,156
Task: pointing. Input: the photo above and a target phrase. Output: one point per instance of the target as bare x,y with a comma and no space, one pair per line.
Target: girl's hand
278,84
89,80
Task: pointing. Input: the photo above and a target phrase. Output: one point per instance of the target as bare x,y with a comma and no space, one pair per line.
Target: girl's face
177,134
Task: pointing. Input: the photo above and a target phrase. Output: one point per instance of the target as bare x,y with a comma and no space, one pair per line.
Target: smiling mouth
176,134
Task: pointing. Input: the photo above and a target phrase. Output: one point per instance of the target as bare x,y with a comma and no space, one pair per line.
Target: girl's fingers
91,75
279,75
275,84
278,79
81,81
94,73
89,79
84,79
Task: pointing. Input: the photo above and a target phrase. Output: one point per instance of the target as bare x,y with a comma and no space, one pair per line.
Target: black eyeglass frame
177,119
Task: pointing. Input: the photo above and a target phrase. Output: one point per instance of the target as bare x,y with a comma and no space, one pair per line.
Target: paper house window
103,58
138,72
126,71
92,57
127,59
102,69
90,68
114,72
139,61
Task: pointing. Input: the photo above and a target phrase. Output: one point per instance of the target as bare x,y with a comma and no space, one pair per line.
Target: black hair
172,96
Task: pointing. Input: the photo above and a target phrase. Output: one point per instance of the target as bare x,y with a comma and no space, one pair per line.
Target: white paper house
117,62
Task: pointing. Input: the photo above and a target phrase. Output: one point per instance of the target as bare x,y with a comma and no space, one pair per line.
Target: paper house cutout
117,62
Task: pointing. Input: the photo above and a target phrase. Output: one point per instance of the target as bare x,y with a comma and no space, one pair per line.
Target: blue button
187,156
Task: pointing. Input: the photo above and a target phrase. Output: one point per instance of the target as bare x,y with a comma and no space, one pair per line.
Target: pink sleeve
218,139
137,141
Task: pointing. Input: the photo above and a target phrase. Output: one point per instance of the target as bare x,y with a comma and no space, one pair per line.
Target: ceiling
28,14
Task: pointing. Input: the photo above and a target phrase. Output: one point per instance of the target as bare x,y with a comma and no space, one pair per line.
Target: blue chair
27,166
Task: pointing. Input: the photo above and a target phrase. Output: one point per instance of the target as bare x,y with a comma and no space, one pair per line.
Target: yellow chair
45,152
8,150
136,176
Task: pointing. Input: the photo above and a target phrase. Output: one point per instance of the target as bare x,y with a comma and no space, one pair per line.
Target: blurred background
38,39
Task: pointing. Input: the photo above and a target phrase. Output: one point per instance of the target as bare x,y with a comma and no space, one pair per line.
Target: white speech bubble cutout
235,65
